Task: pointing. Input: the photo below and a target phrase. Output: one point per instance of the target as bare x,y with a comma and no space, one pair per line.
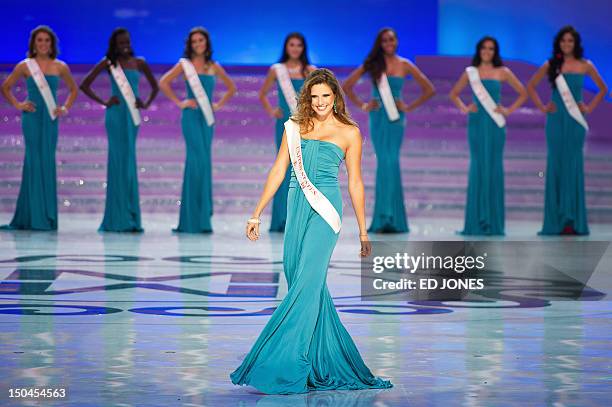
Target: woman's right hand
114,100
252,231
188,104
26,106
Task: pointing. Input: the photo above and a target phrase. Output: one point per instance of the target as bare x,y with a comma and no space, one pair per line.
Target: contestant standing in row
387,71
564,203
289,73
122,121
485,208
197,122
37,201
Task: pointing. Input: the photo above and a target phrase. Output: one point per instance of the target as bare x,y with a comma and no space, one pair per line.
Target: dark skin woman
125,57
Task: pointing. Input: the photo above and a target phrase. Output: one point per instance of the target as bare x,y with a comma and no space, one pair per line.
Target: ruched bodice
396,83
34,94
321,161
133,77
493,86
208,83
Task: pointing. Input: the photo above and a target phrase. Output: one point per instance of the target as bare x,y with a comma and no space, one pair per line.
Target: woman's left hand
503,110
366,246
402,107
584,108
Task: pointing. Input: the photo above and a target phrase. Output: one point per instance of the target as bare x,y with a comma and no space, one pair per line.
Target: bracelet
363,234
64,108
255,221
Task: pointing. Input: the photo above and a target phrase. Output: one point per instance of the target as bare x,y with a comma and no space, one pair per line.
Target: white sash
484,97
198,90
42,85
126,91
315,198
570,102
284,80
387,98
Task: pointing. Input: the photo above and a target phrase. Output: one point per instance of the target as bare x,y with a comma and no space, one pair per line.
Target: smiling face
124,46
42,44
295,48
567,44
388,42
487,51
322,99
198,43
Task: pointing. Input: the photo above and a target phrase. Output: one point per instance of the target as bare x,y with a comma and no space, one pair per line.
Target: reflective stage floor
160,319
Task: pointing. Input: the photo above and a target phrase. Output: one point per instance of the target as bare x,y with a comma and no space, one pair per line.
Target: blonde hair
305,112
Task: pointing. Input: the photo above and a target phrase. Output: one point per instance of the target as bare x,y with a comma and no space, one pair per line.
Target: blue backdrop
243,31
338,32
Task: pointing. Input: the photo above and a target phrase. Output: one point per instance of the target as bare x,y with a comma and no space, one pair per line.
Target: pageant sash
315,198
384,89
570,102
198,90
42,85
484,97
284,80
126,91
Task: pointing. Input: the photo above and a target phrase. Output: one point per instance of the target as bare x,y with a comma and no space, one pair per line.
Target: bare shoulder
406,62
588,64
505,71
217,67
349,133
61,65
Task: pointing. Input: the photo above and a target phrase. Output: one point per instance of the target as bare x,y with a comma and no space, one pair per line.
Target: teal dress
389,210
196,198
484,208
122,207
564,201
304,345
37,201
279,204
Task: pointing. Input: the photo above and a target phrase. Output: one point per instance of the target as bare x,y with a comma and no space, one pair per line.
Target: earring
335,109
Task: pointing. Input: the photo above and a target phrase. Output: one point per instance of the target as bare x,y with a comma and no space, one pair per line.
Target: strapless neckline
326,142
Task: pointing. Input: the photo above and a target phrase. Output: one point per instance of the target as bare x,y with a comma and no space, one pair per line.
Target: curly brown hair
305,112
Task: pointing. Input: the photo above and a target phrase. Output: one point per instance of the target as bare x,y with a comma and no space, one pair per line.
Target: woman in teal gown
485,207
564,198
37,200
387,136
122,205
295,59
304,346
197,197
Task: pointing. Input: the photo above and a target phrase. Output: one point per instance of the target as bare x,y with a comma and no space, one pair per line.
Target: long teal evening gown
484,208
389,210
304,345
196,198
122,208
564,201
37,200
279,204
